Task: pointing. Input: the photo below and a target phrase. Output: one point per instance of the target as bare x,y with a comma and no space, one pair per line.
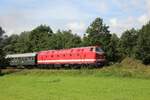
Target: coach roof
21,55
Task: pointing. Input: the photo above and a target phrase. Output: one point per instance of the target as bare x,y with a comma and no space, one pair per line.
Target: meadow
111,83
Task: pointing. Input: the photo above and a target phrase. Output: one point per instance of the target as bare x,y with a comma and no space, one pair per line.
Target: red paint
83,55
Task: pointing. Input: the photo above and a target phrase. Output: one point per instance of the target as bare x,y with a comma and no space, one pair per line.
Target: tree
113,52
1,36
128,42
23,44
65,39
10,44
2,55
143,44
36,40
1,32
98,34
70,40
39,38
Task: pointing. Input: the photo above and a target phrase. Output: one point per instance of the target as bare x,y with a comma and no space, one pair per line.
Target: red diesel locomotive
92,55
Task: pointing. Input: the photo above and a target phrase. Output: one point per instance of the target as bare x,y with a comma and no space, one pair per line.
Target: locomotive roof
21,55
70,49
66,50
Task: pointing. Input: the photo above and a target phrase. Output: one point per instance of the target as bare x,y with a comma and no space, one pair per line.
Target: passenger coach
26,59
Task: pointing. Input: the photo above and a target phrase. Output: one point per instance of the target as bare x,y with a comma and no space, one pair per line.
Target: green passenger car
22,59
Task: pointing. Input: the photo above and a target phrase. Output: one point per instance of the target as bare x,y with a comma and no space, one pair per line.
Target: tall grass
129,68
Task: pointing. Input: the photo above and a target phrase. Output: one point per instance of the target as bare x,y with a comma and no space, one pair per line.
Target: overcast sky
22,15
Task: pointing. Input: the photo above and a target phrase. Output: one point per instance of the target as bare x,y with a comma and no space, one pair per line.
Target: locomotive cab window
99,50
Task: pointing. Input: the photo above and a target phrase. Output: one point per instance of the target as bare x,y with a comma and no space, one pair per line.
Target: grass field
114,83
71,85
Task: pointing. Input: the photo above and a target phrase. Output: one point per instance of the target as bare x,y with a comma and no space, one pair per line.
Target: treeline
133,43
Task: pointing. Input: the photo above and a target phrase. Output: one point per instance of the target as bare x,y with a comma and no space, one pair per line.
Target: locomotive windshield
99,49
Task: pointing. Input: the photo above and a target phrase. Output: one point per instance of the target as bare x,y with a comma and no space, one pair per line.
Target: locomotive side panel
68,56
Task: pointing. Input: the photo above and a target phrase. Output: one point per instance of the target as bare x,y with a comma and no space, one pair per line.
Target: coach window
23,58
20,59
31,58
15,59
12,59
